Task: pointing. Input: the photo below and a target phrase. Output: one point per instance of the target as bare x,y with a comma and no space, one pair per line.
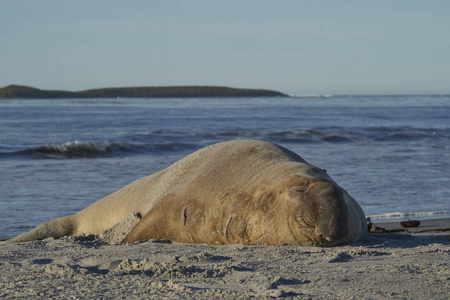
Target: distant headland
25,92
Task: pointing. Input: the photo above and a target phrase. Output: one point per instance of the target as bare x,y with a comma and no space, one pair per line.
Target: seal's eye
302,189
297,191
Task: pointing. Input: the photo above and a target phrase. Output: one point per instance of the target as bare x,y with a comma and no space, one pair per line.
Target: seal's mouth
320,240
313,238
323,241
313,235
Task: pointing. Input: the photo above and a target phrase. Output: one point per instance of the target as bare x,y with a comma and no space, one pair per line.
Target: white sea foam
310,96
422,215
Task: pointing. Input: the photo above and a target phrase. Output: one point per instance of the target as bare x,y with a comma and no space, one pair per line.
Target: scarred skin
249,192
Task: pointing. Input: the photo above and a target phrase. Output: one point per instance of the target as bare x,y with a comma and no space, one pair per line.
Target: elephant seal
243,191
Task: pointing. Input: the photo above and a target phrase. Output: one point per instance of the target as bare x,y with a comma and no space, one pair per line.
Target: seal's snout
322,238
326,238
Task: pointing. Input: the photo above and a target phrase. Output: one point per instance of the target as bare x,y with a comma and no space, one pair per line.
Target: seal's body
245,191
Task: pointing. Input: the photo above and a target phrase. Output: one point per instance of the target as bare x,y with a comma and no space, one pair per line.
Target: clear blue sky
297,47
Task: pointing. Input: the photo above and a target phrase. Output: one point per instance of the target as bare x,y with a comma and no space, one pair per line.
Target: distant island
25,92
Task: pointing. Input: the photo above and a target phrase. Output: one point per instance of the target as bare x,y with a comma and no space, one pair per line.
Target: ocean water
391,153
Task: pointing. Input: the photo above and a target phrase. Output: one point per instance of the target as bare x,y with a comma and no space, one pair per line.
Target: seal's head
324,214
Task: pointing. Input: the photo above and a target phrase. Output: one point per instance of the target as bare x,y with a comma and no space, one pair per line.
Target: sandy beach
389,265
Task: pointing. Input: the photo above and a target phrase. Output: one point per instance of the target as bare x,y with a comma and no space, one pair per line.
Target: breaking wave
75,150
81,150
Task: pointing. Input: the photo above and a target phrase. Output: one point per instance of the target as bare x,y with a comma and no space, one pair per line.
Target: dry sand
382,266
